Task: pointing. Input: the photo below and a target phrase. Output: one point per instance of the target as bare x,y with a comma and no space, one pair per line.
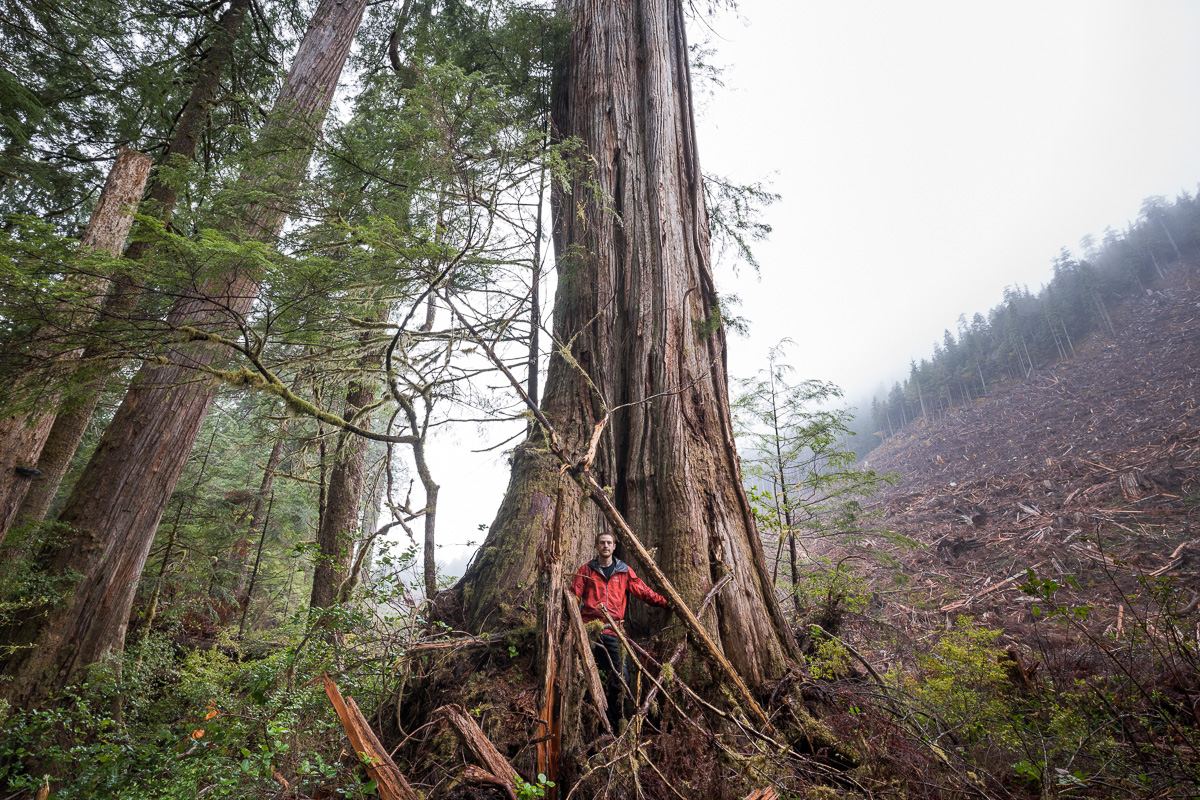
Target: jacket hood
618,566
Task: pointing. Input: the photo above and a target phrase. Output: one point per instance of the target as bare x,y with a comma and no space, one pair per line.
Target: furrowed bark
637,303
339,523
22,436
116,506
73,418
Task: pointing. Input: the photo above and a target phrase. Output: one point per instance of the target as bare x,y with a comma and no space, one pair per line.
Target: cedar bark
637,302
339,524
116,506
72,420
23,435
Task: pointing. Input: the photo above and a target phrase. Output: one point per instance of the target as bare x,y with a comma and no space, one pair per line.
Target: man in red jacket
606,581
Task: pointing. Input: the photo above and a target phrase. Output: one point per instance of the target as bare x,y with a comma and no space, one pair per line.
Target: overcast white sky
928,154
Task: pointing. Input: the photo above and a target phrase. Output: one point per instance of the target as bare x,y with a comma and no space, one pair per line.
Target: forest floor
1089,470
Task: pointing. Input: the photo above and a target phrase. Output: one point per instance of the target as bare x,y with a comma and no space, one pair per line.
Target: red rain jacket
589,584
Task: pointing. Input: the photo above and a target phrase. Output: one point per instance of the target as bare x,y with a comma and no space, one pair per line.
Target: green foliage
189,721
735,218
529,791
967,706
78,79
962,679
800,472
830,659
225,719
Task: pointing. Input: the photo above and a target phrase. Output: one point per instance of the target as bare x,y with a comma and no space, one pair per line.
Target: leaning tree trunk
339,523
115,507
72,420
23,435
636,301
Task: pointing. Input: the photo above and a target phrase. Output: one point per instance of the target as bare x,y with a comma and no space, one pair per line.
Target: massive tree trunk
23,435
636,301
72,420
115,508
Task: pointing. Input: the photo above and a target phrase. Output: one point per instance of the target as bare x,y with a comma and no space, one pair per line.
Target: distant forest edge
1028,331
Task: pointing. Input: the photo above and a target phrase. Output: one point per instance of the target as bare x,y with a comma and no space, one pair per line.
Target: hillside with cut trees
1029,330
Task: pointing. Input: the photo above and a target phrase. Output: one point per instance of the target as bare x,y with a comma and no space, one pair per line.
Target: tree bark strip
591,674
550,633
116,506
476,741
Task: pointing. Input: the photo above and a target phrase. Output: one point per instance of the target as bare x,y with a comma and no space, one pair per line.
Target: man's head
605,545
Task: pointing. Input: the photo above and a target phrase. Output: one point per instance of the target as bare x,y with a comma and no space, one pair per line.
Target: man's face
605,546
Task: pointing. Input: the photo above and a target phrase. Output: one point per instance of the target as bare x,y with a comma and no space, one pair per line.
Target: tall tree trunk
1171,239
241,548
343,504
73,418
636,301
115,508
23,435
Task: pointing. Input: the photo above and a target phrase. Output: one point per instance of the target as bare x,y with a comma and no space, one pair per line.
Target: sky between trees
928,154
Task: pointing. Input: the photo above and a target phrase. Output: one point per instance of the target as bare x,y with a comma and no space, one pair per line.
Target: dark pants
607,653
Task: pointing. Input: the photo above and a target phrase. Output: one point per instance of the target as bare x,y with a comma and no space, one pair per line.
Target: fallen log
387,776
452,644
477,743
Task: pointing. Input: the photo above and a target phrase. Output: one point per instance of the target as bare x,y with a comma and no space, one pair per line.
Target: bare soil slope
1090,468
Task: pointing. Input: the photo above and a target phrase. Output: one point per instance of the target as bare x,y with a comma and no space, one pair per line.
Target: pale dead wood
964,603
549,745
766,793
477,742
450,644
387,776
590,672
